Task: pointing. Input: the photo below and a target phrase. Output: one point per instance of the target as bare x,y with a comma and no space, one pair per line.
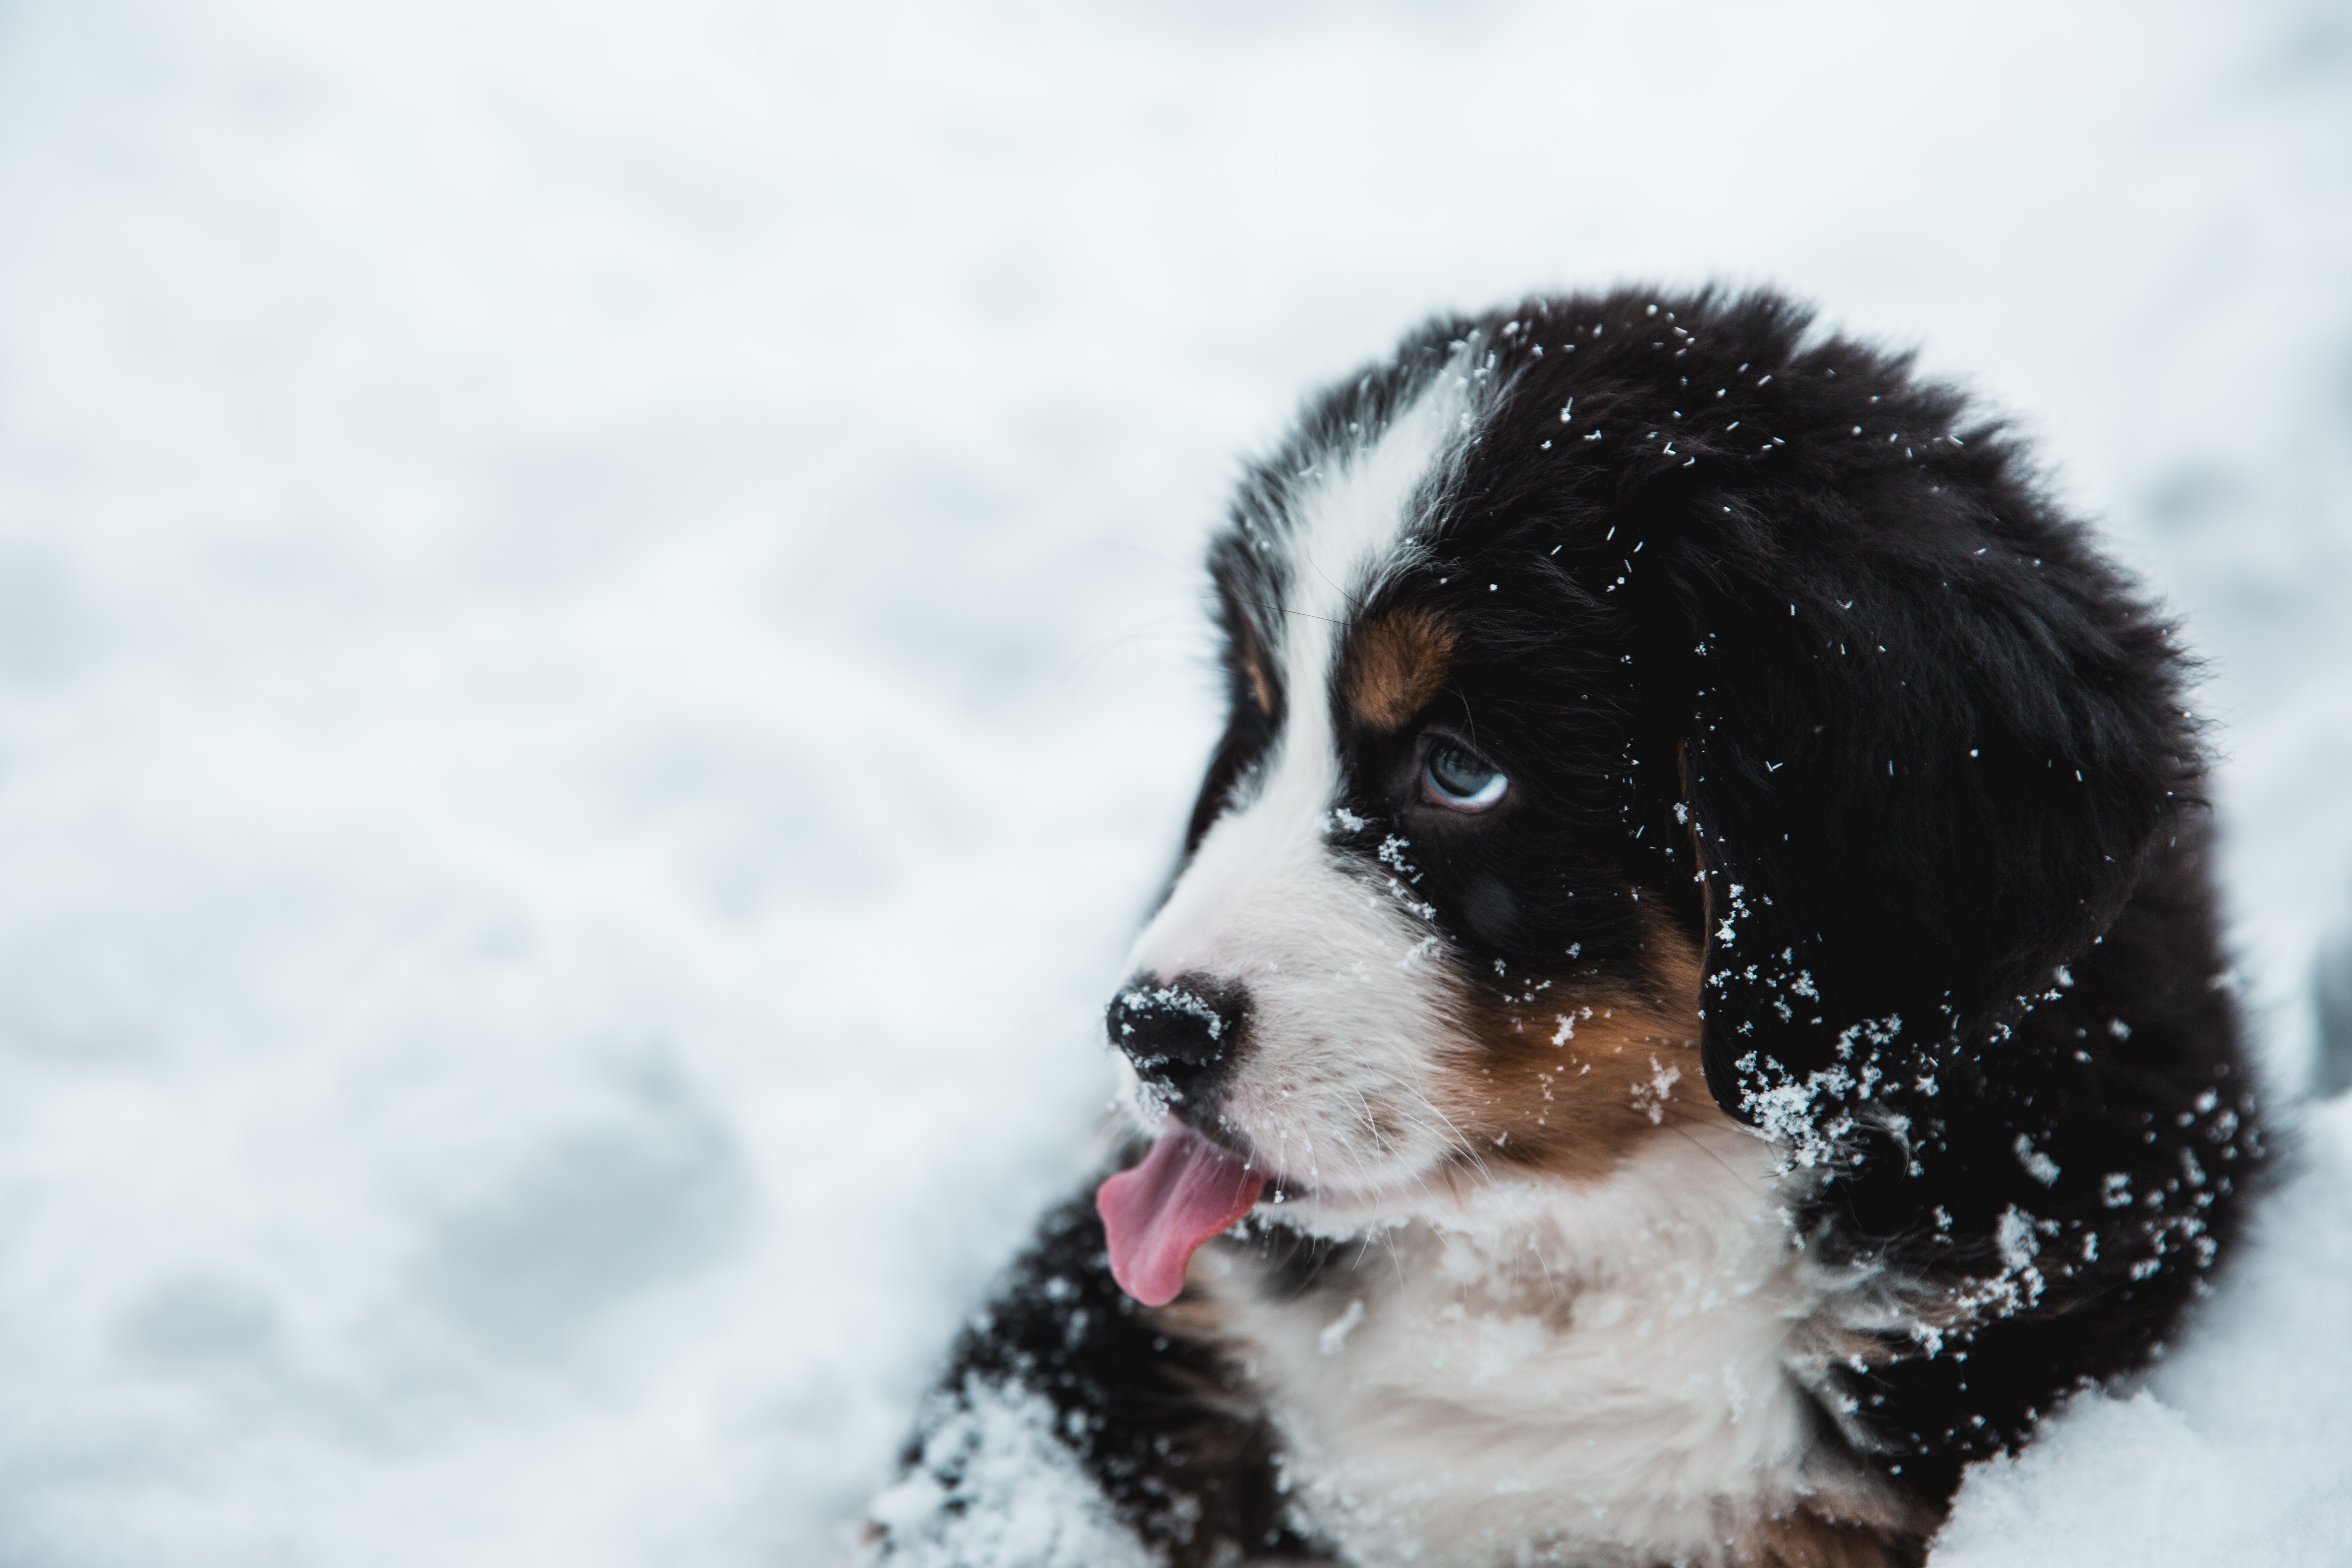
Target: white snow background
600,651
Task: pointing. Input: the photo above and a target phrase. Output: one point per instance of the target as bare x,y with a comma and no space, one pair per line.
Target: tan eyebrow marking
1397,664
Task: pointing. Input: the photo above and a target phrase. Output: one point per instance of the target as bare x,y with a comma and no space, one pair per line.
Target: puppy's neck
1709,1194
1634,1351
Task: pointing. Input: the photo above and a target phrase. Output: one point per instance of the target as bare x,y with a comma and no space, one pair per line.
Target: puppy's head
1633,699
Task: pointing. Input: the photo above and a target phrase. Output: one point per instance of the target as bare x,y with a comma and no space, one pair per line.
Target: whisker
1286,610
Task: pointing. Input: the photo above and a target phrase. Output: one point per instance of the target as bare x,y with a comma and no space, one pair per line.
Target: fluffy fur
1815,1064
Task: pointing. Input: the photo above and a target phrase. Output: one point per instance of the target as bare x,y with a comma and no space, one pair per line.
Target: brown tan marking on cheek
1252,654
1568,1079
1396,663
1261,687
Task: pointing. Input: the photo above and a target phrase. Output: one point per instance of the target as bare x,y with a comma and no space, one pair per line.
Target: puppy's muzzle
1183,1035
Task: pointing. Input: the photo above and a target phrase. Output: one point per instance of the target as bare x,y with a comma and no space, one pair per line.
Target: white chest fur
1593,1374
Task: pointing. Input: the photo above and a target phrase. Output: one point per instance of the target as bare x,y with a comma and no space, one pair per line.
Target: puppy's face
1437,918
1591,664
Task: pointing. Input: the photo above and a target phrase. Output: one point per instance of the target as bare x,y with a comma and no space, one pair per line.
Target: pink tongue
1186,1191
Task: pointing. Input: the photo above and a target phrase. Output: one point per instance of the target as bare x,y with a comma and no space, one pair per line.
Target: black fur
1874,718
1165,1425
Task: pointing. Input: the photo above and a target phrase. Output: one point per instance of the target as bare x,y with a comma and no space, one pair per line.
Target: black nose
1178,1032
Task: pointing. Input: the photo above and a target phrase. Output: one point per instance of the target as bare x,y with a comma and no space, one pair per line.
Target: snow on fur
1015,1494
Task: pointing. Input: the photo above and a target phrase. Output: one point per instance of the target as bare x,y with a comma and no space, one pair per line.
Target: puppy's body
1695,939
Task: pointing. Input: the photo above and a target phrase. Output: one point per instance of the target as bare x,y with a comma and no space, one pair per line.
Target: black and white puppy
1691,1008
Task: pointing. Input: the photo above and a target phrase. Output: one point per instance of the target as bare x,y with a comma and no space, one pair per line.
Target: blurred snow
599,652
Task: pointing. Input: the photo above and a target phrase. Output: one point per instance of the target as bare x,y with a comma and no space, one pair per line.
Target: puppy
1690,1011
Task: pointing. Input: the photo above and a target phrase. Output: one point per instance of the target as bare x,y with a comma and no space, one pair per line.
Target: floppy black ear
1930,738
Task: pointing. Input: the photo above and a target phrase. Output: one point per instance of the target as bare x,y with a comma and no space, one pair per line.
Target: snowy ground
598,654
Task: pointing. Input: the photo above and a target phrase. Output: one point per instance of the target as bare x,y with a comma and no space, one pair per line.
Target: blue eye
1455,779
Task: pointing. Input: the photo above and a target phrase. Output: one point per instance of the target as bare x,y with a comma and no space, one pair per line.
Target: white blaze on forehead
1349,529
1346,994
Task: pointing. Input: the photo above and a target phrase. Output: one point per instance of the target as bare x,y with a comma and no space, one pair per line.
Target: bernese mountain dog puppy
1691,1008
